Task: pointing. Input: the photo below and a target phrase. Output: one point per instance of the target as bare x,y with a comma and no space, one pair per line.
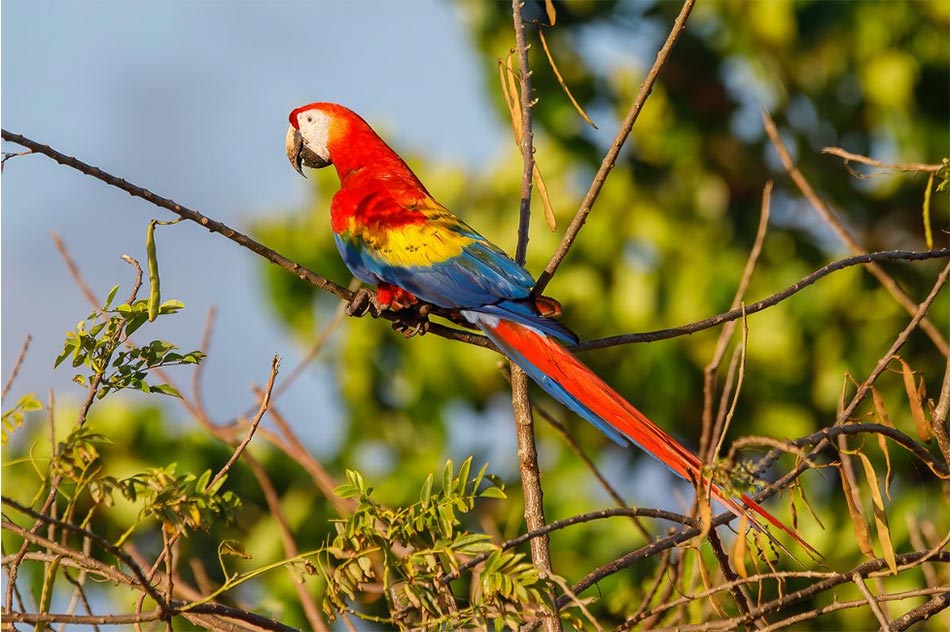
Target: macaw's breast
413,234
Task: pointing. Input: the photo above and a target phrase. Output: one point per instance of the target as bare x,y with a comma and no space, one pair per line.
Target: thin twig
847,156
778,605
872,602
7,155
318,343
758,306
99,540
74,270
322,479
527,135
844,234
16,366
198,375
712,369
610,159
137,284
557,525
828,434
742,603
214,226
265,403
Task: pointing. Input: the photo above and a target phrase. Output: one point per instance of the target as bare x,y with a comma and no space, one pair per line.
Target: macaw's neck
358,153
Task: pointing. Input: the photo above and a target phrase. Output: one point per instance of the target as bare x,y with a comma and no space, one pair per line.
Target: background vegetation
666,244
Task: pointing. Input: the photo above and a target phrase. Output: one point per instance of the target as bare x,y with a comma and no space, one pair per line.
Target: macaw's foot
413,320
548,307
364,301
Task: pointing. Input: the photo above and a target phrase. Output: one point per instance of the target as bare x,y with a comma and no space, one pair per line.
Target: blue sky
190,99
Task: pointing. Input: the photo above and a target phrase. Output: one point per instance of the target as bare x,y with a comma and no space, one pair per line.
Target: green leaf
233,548
109,297
426,491
171,306
166,389
493,492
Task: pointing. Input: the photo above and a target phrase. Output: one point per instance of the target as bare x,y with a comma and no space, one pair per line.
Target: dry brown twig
524,420
709,431
825,212
848,157
16,366
610,158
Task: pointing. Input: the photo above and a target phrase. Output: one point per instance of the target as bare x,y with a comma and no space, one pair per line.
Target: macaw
393,234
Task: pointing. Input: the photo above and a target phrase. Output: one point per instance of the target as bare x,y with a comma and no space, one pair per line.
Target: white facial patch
314,128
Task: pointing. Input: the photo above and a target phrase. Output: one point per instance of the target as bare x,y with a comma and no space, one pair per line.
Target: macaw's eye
309,119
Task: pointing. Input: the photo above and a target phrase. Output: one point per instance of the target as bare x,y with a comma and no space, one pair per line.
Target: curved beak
299,155
295,149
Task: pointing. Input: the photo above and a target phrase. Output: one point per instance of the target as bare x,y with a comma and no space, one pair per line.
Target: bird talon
413,321
364,301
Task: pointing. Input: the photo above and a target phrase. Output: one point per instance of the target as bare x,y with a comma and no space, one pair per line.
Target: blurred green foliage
665,245
669,236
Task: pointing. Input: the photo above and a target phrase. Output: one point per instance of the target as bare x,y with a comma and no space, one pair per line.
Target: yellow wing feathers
441,236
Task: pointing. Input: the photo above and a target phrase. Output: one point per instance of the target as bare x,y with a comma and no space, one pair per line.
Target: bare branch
265,403
16,366
872,602
847,156
922,613
214,226
644,512
527,135
844,234
610,159
709,432
735,314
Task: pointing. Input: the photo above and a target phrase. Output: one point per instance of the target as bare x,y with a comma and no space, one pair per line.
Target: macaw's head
318,131
324,134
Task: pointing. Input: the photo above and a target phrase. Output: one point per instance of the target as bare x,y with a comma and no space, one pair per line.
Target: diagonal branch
241,239
845,235
778,297
610,159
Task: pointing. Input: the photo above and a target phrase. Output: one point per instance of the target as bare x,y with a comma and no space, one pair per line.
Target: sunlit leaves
418,545
96,341
13,418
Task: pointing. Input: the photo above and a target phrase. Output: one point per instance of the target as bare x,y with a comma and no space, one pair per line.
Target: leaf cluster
96,340
410,550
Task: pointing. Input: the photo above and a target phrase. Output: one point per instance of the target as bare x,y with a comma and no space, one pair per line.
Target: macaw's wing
433,254
423,248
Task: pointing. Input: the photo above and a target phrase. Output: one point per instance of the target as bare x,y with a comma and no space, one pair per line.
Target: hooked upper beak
299,155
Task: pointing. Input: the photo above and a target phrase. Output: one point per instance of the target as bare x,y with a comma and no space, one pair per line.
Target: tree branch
524,420
527,135
735,314
610,159
241,239
843,234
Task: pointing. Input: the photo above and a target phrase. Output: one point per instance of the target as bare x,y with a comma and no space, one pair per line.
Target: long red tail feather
567,379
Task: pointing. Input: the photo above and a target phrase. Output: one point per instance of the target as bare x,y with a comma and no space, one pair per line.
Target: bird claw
413,320
364,301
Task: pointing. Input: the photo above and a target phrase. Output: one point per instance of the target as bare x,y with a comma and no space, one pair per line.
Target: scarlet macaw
393,234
